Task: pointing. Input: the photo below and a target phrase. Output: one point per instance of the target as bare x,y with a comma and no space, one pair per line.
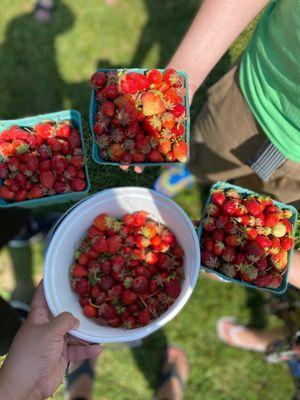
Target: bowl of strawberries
42,160
247,238
140,116
124,261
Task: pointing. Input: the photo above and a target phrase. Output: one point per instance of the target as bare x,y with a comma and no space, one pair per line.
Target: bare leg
172,388
81,387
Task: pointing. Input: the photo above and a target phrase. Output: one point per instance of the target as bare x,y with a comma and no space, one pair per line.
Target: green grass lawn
46,68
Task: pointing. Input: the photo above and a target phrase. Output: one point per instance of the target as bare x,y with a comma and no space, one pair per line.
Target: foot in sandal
173,375
246,338
80,379
43,10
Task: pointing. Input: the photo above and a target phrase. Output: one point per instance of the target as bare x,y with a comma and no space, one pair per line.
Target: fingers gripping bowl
72,230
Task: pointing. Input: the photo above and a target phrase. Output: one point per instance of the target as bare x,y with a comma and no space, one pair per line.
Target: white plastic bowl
72,229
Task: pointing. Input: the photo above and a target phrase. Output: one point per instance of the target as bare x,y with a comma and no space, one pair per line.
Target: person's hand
40,353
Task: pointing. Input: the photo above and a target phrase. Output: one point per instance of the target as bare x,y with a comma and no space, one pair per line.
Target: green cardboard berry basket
71,115
93,111
283,287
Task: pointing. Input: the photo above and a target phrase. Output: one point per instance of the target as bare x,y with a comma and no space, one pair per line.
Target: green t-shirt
270,75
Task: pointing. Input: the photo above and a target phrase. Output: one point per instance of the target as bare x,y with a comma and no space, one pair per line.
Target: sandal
85,368
233,339
169,371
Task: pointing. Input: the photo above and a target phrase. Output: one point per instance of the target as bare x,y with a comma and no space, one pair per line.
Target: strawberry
228,270
113,244
233,240
142,242
36,192
218,197
263,241
279,260
173,288
61,187
228,254
270,280
231,228
6,193
108,108
248,273
261,264
246,220
222,221
179,111
253,251
171,77
106,283
209,224
218,235
155,78
78,271
229,207
287,242
271,219
98,79
133,82
107,311
180,151
212,210
140,284
47,179
78,185
152,103
279,230
90,311
168,120
218,248
3,171
144,317
164,147
240,260
110,91
271,209
128,297
209,259
155,156
209,244
253,206
44,130
288,225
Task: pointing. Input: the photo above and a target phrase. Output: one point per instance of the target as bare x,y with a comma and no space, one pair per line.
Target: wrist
14,390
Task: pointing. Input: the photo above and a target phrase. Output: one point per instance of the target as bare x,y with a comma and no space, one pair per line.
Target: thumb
63,323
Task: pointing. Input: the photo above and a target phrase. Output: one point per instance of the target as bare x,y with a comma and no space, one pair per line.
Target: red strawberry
47,179
288,225
229,207
78,185
90,311
248,273
209,259
128,297
140,285
173,288
61,187
106,283
212,210
113,244
171,77
155,156
36,192
78,271
209,244
231,228
218,197
233,240
228,254
271,219
261,264
222,221
209,224
253,206
271,280
218,235
246,220
133,82
21,195
263,241
3,170
180,151
107,311
155,78
164,147
6,193
287,242
228,270
218,248
110,91
144,317
98,79
253,251
44,130
240,260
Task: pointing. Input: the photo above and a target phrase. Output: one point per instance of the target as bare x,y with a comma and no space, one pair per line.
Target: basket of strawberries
140,116
42,160
124,261
247,238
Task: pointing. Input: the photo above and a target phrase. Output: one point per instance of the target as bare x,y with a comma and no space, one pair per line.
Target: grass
46,68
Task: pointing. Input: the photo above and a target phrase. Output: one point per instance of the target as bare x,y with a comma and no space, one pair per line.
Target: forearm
294,275
215,27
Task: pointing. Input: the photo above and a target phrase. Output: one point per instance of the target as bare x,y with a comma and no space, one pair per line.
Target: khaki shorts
226,135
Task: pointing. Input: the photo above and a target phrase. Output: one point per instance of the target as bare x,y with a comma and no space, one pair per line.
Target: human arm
294,274
216,25
40,353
